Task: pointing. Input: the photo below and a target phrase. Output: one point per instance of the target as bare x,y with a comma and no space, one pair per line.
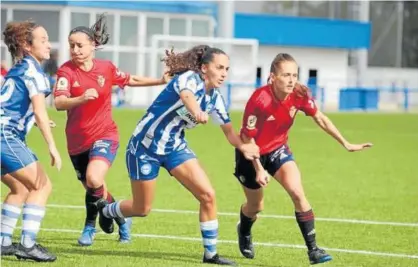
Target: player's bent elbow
58,105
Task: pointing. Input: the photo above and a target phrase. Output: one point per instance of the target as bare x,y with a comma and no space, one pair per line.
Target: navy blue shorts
272,162
145,165
105,150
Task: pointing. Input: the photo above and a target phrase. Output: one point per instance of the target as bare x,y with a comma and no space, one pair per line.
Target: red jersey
3,72
268,120
92,120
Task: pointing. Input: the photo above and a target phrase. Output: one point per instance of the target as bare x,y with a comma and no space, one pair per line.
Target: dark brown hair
96,33
17,34
300,89
192,59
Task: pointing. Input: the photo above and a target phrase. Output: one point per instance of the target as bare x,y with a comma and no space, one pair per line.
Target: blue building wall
306,32
186,7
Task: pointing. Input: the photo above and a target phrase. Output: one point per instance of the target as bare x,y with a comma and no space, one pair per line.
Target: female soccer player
84,89
158,140
268,116
22,102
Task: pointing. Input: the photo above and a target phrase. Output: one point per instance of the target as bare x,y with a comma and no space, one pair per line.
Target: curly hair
192,59
17,34
300,89
96,33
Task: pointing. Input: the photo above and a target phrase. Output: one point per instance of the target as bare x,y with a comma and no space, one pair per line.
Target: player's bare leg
11,212
191,175
143,193
39,186
140,206
289,177
248,216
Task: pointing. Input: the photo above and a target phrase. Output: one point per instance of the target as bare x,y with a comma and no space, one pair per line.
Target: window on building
128,30
128,62
3,20
105,55
177,26
154,26
201,28
80,19
50,20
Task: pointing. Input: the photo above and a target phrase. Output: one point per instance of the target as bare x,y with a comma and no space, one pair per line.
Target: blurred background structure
355,55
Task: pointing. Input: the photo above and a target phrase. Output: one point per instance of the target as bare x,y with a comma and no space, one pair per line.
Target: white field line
263,244
285,217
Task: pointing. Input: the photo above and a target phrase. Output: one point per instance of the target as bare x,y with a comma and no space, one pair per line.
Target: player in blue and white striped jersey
22,102
159,140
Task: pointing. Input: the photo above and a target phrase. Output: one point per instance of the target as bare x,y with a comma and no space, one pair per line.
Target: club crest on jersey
101,80
251,122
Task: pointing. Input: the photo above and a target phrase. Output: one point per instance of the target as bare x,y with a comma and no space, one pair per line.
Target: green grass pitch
353,195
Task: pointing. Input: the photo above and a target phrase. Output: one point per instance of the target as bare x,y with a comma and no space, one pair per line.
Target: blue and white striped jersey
161,130
25,80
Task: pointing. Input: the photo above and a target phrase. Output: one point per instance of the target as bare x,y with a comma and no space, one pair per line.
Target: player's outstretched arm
138,81
250,150
326,124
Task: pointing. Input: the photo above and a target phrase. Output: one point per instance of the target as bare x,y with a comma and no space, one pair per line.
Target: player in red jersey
84,89
269,115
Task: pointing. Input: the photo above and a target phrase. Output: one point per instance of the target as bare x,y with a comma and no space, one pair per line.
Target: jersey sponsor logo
76,84
271,118
251,122
62,84
187,117
103,150
101,80
146,169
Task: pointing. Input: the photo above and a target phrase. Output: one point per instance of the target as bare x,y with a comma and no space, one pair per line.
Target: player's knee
20,191
94,181
256,207
208,197
17,188
141,210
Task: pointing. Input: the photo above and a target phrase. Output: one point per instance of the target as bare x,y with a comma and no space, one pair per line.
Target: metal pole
399,34
362,54
226,18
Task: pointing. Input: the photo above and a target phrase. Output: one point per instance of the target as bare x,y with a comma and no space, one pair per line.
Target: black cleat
218,260
245,244
105,223
36,253
318,255
9,250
